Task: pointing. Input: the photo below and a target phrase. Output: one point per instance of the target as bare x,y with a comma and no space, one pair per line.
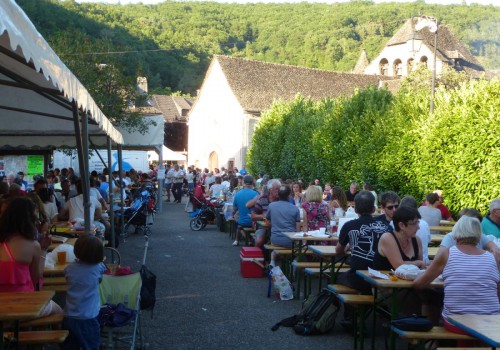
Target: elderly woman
316,211
471,277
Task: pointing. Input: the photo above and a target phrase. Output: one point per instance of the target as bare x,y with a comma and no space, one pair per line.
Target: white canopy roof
168,154
151,139
37,90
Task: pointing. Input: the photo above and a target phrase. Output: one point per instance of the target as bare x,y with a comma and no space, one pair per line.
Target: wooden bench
58,288
37,337
436,333
359,302
47,281
341,289
50,320
247,235
310,272
299,266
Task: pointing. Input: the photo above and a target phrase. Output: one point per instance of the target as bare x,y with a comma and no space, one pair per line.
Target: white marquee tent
42,104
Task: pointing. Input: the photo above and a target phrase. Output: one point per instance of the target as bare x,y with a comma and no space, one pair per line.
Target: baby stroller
141,212
205,212
123,328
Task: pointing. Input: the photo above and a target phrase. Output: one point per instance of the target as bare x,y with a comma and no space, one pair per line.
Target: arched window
423,61
384,67
397,68
409,65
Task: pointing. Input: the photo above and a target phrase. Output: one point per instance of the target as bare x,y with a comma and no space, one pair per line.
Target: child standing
82,298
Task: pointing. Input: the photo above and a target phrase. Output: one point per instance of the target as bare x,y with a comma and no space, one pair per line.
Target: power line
114,52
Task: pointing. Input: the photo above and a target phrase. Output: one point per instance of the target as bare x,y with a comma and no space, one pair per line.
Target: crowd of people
26,213
398,235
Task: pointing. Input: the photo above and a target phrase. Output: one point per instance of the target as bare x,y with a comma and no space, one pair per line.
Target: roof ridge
287,65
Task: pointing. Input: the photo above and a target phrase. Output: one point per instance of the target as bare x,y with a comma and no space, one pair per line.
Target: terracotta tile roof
449,47
173,108
362,63
257,84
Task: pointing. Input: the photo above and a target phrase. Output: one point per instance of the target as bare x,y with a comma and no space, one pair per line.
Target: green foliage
326,36
391,141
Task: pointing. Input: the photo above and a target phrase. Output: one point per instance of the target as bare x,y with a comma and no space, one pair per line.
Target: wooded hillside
183,36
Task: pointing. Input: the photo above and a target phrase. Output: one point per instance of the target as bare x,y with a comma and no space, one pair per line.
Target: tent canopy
37,91
168,154
152,139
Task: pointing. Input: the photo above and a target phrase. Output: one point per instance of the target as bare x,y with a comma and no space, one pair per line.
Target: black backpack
317,316
148,289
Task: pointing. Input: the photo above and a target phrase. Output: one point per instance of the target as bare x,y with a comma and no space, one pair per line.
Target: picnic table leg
394,313
374,322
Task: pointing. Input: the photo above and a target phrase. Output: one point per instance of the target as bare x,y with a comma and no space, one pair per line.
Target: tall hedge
391,141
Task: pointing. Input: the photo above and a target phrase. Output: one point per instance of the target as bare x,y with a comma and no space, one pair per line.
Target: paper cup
61,258
322,230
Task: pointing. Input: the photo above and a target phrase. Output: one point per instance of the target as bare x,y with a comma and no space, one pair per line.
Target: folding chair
125,290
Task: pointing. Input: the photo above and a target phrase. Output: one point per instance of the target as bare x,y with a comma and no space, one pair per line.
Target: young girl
22,257
82,299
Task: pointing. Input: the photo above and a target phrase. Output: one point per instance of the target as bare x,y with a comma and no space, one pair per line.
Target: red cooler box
251,262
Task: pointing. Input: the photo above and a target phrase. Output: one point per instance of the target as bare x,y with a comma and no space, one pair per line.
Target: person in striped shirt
465,267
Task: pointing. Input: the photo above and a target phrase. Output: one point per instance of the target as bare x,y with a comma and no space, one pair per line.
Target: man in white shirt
169,178
178,180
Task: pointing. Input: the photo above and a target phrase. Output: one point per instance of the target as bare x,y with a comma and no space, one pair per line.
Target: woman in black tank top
402,246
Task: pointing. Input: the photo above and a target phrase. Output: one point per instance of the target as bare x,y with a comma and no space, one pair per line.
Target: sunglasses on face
412,223
392,207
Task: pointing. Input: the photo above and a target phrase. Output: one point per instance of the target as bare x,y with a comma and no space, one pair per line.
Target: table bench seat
43,321
47,281
38,337
341,289
436,333
58,288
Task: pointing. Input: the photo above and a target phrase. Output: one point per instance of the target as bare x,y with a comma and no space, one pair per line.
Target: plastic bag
281,284
51,258
408,272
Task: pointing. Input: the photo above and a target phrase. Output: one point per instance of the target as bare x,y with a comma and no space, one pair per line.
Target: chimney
142,85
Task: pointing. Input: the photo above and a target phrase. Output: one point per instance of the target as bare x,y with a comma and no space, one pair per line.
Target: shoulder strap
415,248
8,251
397,242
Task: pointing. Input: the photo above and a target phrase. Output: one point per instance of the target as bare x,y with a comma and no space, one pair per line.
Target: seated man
361,236
282,216
259,206
351,194
430,212
239,205
491,222
389,201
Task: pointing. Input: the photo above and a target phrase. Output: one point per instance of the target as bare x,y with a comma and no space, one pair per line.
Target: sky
442,2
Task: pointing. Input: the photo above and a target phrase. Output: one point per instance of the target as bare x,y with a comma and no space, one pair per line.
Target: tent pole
79,149
120,170
110,195
86,173
162,178
108,165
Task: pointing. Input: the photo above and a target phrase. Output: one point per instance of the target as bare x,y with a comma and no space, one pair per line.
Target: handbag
413,323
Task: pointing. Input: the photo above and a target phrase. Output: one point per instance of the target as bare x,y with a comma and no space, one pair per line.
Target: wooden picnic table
443,229
436,238
298,238
328,261
54,245
483,327
394,287
57,269
20,306
432,251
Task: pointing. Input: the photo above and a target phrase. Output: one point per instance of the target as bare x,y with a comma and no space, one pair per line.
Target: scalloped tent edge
37,91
